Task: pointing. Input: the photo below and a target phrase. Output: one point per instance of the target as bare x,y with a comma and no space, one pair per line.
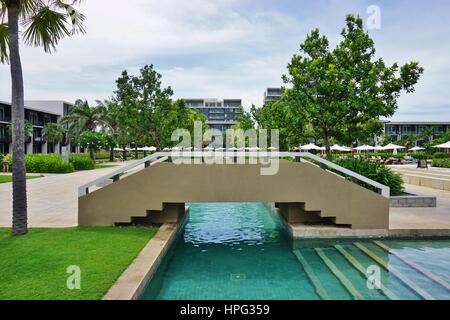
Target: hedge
375,171
441,163
46,163
81,162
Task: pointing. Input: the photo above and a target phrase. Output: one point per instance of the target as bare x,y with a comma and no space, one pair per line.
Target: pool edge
132,282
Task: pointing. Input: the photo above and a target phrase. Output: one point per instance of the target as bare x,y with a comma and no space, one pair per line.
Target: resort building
38,113
272,94
403,128
221,114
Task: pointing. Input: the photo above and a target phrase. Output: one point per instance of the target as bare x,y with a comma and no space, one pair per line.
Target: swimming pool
240,251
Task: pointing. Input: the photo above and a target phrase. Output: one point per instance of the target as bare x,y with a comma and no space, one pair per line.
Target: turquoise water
240,251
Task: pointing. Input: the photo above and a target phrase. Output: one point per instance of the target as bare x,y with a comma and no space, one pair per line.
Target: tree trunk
19,218
124,154
136,151
111,154
91,153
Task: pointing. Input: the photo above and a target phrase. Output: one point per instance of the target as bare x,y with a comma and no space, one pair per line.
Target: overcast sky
233,48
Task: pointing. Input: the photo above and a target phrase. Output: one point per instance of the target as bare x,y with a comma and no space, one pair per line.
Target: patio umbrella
378,148
220,149
339,148
166,149
416,149
119,149
176,149
233,149
364,148
272,148
393,147
208,148
443,146
310,146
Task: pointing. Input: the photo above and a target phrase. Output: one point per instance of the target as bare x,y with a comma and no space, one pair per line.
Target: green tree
45,23
53,132
83,117
341,89
94,141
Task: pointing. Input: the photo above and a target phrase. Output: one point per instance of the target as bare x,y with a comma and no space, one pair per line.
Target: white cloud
227,48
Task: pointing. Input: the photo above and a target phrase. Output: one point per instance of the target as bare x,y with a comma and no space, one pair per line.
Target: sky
233,48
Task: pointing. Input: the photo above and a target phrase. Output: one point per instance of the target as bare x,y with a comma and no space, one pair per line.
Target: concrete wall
295,183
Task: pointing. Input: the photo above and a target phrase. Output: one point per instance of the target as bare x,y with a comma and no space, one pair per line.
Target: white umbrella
310,146
119,149
254,149
392,146
364,148
272,148
152,149
233,149
208,148
220,149
166,149
337,147
416,149
378,148
444,145
176,149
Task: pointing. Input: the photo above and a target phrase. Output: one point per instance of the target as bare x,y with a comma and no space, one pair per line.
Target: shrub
46,163
375,171
441,163
81,161
441,155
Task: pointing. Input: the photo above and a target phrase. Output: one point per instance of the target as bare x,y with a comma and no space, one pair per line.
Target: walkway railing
298,156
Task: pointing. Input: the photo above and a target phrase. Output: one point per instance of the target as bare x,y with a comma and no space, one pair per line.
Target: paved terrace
53,202
53,199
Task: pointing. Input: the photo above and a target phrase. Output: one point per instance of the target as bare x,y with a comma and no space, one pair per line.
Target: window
2,114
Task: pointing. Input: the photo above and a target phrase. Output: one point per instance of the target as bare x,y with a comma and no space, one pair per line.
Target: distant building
38,113
221,114
272,94
397,129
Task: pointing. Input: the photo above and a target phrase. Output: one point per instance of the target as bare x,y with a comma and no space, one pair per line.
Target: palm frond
4,40
28,7
45,28
75,17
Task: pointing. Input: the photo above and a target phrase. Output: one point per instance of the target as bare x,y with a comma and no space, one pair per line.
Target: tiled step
432,276
340,275
394,271
358,266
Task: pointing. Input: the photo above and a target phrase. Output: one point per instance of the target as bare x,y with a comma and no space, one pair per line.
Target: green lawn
34,266
102,166
8,178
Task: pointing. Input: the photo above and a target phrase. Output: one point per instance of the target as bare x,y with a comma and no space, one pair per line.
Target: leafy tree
146,111
45,23
341,89
94,141
53,132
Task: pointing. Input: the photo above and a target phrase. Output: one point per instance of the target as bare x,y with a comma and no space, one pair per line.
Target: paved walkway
423,218
52,200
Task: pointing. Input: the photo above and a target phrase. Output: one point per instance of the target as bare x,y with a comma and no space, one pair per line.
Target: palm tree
82,118
53,132
45,22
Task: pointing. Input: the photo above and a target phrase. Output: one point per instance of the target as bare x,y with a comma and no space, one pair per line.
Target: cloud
229,48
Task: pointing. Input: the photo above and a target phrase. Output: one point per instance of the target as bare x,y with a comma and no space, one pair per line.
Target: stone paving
423,218
53,199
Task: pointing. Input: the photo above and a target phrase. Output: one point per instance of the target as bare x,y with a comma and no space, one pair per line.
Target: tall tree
45,22
341,89
84,117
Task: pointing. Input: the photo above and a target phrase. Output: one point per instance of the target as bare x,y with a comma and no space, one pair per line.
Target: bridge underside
305,193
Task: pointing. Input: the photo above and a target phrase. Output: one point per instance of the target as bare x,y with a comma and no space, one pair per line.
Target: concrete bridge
310,190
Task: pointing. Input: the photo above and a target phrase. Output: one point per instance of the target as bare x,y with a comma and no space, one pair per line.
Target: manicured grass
34,266
8,178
